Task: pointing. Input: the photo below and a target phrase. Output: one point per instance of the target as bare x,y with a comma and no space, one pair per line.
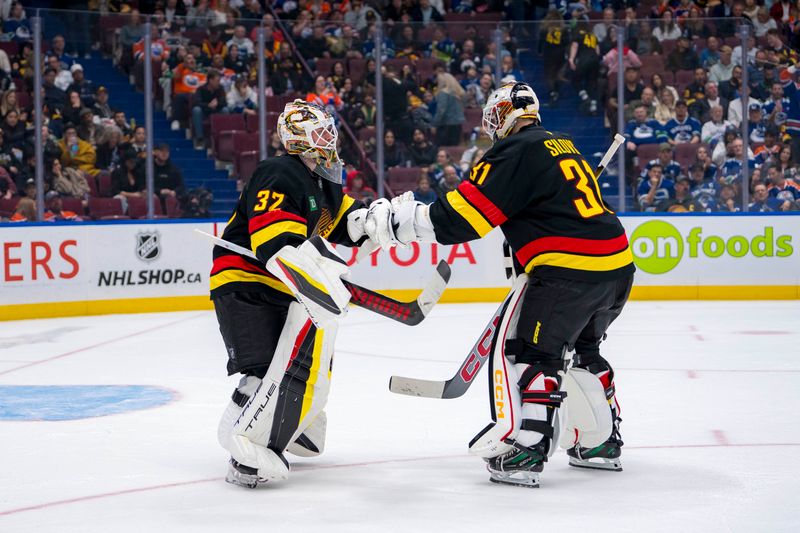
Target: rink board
69,269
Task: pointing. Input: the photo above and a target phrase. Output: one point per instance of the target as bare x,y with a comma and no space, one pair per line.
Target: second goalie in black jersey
575,274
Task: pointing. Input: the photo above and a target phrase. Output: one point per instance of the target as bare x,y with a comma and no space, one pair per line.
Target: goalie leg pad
587,417
291,395
504,400
311,441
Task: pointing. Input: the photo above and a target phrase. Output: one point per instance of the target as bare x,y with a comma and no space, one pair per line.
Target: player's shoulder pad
284,173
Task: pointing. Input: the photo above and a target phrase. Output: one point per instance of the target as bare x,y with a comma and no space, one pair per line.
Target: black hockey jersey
283,203
544,196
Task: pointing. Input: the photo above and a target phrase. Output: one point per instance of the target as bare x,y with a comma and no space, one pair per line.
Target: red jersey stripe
571,245
492,213
236,261
261,221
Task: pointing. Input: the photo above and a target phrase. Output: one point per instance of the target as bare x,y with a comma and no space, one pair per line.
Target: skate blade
248,481
597,463
528,480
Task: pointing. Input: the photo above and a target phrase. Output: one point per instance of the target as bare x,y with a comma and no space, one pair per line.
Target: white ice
710,393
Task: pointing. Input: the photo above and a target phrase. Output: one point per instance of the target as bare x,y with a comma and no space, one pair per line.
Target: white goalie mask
309,131
510,102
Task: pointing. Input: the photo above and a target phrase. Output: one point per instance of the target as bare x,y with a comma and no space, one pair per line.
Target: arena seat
645,153
137,207
105,208
402,179
245,164
75,205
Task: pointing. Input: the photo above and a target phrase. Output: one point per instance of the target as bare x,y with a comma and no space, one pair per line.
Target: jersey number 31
590,205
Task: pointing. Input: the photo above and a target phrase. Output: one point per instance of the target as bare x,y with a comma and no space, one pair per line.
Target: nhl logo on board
148,246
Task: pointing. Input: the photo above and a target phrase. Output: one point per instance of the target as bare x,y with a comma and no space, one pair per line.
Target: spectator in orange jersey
325,96
55,209
186,80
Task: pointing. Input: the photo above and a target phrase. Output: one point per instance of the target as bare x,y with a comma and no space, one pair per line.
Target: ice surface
709,391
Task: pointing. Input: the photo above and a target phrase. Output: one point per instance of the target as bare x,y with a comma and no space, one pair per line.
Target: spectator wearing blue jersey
791,90
682,128
654,189
762,201
756,126
642,130
669,167
726,202
775,106
732,166
703,189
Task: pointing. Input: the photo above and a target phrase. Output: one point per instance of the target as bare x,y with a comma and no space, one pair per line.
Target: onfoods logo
658,246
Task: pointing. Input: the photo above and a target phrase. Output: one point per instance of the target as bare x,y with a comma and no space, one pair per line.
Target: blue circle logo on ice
74,402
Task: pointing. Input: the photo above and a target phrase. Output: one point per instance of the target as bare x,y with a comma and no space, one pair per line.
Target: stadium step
197,169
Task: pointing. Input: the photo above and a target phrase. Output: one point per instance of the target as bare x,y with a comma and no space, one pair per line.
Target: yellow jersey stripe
470,214
274,230
233,275
583,262
313,373
347,202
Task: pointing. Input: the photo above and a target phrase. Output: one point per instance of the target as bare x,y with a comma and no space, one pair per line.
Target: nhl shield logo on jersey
148,246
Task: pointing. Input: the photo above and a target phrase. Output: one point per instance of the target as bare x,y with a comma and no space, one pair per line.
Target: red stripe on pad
301,337
571,245
492,213
261,221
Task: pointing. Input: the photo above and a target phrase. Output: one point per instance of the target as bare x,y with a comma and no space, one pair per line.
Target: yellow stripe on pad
306,277
313,373
470,214
274,230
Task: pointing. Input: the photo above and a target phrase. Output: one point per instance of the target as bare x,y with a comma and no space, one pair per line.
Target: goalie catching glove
313,272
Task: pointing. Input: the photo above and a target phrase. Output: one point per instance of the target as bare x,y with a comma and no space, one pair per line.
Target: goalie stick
458,384
409,313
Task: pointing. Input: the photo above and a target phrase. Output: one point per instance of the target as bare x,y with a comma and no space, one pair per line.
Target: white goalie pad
586,416
505,402
311,441
313,272
289,398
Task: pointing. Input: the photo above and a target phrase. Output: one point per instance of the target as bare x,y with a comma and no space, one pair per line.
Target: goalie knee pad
289,398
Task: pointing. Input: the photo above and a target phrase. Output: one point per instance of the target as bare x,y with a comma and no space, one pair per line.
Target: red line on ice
85,348
344,465
691,374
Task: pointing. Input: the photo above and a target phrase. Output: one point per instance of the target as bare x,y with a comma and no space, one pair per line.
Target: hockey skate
603,457
244,476
520,467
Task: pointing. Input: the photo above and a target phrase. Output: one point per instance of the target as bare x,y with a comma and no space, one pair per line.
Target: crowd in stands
93,155
683,88
433,87
683,68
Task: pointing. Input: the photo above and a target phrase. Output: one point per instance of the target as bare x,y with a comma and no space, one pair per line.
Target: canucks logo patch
312,203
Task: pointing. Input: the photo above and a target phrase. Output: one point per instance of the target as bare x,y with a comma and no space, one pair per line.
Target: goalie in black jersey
278,340
575,274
